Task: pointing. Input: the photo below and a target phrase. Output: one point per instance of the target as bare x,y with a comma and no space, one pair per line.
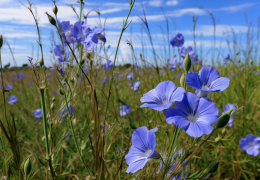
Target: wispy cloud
172,3
236,7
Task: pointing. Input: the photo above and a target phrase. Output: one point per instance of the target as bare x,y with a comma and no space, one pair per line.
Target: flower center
192,118
251,144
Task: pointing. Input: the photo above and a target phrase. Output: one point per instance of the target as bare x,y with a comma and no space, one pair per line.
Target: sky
19,30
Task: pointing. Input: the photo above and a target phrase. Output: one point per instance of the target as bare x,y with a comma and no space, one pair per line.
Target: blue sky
17,25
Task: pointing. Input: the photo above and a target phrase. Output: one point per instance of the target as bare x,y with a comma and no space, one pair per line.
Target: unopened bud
187,63
61,92
51,19
251,62
174,55
55,9
213,167
1,41
238,61
41,62
183,80
53,99
141,56
27,167
223,119
237,53
52,106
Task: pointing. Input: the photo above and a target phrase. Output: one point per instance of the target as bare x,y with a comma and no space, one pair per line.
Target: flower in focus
208,80
228,107
193,114
124,110
227,58
79,31
38,113
177,41
136,85
10,86
104,80
250,144
162,97
108,65
64,111
93,37
130,76
142,149
12,99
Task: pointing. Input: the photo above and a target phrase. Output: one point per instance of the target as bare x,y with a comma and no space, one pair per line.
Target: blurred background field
150,67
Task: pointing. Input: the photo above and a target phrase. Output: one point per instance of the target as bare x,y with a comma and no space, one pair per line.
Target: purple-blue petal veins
193,114
162,96
142,149
250,144
208,80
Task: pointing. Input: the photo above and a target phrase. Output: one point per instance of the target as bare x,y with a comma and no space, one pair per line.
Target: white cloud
172,3
235,8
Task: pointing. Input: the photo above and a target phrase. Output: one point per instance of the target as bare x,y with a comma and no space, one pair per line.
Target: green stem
45,131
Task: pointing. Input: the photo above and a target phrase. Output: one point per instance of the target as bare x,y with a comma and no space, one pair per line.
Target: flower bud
238,61
251,62
141,56
213,167
53,99
237,53
61,92
174,55
41,62
27,167
55,9
187,63
51,19
223,119
183,80
52,106
1,41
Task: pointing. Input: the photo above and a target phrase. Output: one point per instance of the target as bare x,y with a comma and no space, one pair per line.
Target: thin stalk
45,131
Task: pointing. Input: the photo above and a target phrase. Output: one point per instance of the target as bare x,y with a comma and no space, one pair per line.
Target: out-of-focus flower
108,65
54,92
20,76
130,76
184,51
136,85
124,110
104,80
250,144
162,97
162,71
64,111
12,99
258,73
178,75
38,113
177,41
31,82
208,80
142,149
227,58
193,114
254,69
10,86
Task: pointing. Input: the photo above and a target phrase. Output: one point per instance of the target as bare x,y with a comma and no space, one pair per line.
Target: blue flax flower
194,57
93,37
31,82
184,51
142,149
64,111
162,97
227,58
177,41
12,99
124,110
20,76
173,63
162,71
10,86
258,73
208,80
108,65
228,107
254,69
79,31
193,114
250,144
130,76
104,80
38,113
136,85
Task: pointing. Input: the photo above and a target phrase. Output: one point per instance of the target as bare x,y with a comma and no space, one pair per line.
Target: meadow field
163,116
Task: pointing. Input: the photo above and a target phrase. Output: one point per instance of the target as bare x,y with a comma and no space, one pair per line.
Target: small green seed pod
183,80
55,9
238,61
187,63
1,41
251,62
52,106
41,62
223,119
51,19
237,53
27,167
